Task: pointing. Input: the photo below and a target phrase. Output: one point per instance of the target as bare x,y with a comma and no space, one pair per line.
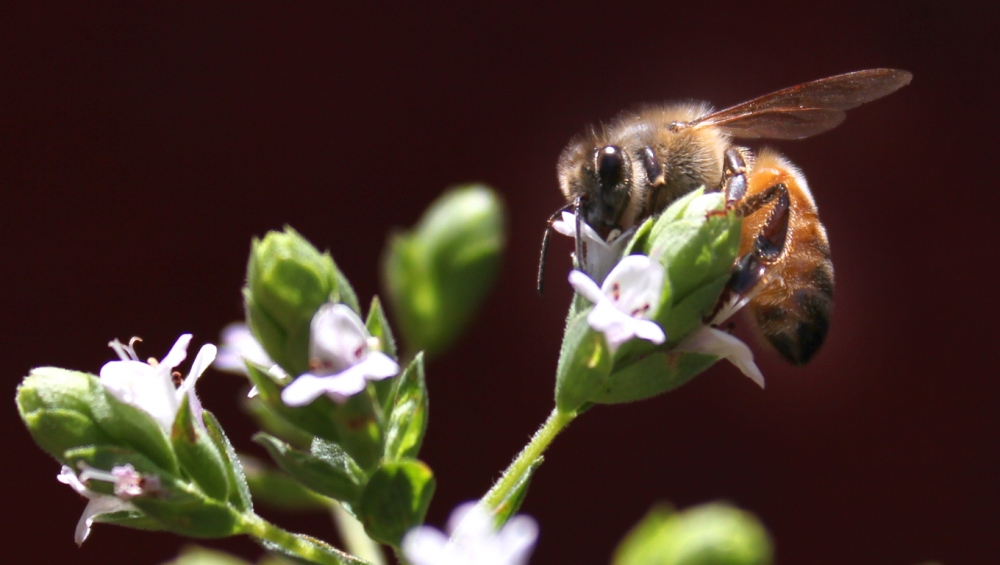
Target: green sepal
396,499
650,376
239,491
408,413
326,469
584,364
378,326
269,421
135,428
198,455
276,489
437,274
698,248
710,534
512,503
287,281
353,424
174,504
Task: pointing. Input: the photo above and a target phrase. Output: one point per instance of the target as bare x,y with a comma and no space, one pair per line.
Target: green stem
523,463
304,547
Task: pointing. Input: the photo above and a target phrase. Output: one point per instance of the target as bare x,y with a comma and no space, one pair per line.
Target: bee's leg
734,177
751,269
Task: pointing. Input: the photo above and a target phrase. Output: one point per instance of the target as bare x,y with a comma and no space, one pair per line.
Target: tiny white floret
240,347
624,302
127,484
473,540
149,386
343,358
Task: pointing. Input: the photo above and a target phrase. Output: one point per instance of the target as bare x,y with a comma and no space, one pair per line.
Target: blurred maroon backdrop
144,144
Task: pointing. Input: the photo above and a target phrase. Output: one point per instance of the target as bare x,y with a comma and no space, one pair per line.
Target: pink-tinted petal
346,383
177,353
517,539
711,341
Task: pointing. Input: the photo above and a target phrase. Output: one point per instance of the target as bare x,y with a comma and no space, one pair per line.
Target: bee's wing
805,109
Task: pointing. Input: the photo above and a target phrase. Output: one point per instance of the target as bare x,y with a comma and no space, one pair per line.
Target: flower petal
303,390
238,346
147,388
378,366
517,539
585,286
338,337
101,504
635,285
711,341
425,545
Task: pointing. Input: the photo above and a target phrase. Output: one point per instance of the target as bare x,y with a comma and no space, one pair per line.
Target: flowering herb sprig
344,413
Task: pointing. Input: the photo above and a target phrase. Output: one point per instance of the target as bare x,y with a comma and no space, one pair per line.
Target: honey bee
617,175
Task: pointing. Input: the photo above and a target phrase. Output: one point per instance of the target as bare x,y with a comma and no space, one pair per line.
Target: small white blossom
239,347
127,484
474,540
150,386
711,341
622,304
343,358
599,256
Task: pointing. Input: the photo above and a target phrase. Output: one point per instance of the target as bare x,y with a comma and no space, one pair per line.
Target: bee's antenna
545,245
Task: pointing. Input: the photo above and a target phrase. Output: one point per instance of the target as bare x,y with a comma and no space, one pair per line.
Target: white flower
128,484
630,294
711,341
239,347
599,256
150,386
342,357
474,540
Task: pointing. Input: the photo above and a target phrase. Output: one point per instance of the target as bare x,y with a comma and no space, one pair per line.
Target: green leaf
650,376
408,413
327,469
135,428
198,455
512,503
396,500
437,274
269,421
710,534
239,491
277,489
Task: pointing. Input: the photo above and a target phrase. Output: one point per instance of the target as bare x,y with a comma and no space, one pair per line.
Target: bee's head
602,179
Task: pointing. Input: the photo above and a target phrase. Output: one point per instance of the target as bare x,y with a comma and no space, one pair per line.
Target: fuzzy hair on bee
614,176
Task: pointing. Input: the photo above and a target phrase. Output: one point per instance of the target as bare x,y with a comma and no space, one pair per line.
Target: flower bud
437,274
716,534
287,281
55,405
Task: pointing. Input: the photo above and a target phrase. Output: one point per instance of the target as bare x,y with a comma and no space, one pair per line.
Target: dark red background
144,145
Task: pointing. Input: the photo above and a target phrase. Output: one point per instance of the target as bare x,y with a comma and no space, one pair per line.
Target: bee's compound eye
610,165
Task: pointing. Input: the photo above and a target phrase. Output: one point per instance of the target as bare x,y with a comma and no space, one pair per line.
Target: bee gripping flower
342,357
599,256
127,484
473,541
150,386
623,304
